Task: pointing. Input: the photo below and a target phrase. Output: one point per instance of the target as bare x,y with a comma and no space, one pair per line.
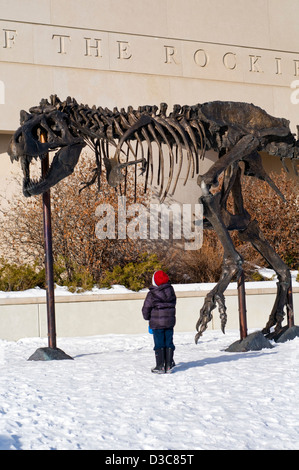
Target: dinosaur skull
26,145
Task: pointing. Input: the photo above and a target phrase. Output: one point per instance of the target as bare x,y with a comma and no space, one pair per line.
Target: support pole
254,341
290,307
48,257
242,306
51,352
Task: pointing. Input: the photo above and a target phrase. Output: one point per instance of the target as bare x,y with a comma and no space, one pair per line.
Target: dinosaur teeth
30,183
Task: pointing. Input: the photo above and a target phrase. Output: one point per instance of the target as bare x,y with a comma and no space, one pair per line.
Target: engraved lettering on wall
9,38
229,61
278,65
17,44
93,47
61,42
201,58
124,50
254,63
171,55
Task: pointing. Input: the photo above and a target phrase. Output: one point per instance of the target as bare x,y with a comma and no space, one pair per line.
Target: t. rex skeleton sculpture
237,131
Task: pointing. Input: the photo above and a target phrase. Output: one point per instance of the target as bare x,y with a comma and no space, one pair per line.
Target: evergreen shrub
134,276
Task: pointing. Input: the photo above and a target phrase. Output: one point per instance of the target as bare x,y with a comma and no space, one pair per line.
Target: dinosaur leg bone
232,263
245,146
256,238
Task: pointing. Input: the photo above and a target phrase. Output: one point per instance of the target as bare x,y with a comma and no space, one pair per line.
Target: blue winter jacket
159,306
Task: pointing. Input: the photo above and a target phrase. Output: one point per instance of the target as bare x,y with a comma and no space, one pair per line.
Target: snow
107,398
118,289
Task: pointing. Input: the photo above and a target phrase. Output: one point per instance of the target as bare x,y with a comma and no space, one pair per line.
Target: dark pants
163,338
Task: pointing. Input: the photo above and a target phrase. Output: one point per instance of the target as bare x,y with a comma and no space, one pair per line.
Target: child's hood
163,293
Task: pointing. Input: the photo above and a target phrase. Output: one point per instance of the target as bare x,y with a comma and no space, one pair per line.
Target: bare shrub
80,257
76,249
277,219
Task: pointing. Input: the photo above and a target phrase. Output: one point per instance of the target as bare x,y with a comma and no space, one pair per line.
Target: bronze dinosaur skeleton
237,131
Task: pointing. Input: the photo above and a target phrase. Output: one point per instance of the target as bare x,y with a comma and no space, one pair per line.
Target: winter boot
169,362
160,361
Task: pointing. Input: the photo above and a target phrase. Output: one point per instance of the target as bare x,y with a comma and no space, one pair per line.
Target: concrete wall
88,315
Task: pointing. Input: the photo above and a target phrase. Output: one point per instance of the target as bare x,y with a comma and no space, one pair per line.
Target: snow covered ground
107,398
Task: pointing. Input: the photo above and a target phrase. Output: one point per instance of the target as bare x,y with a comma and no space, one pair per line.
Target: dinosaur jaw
62,166
36,186
31,185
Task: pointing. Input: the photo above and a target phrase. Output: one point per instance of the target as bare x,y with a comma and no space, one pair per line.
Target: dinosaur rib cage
181,132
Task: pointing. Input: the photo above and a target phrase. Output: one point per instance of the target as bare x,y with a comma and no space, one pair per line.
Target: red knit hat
160,277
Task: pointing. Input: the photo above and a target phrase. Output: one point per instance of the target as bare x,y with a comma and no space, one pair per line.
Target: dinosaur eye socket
53,125
19,138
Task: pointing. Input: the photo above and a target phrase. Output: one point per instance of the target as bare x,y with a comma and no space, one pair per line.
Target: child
159,309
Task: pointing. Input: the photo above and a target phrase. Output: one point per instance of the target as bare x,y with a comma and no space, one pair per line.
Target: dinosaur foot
202,324
285,334
211,300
